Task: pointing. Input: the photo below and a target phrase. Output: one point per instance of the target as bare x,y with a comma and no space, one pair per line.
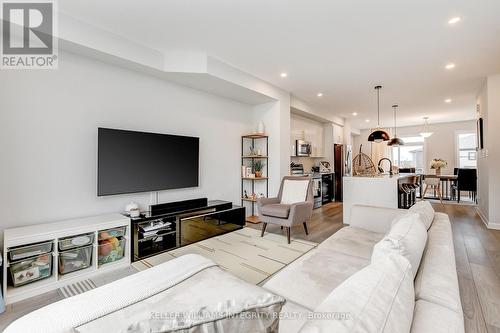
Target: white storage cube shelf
54,232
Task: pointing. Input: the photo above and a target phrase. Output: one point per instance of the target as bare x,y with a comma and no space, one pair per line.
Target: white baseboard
489,225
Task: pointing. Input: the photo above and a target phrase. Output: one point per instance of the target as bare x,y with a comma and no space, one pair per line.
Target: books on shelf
246,172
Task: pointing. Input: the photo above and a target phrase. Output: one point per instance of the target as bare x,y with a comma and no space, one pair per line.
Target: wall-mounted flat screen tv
131,162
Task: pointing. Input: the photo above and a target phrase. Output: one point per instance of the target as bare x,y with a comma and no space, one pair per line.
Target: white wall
489,157
442,143
482,162
493,149
48,137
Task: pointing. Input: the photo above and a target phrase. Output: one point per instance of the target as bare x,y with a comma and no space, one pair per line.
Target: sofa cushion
308,280
379,298
292,317
375,219
407,237
294,191
276,210
430,317
437,280
426,212
353,241
440,232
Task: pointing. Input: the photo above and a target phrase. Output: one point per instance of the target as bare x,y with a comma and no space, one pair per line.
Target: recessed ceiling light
354,114
454,20
283,74
367,120
320,95
448,100
450,66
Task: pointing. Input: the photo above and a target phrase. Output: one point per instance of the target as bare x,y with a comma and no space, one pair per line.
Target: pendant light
426,133
395,141
378,135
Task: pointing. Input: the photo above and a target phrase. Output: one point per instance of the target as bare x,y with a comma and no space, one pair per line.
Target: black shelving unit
245,158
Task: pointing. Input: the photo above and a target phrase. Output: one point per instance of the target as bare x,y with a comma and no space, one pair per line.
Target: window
466,154
411,155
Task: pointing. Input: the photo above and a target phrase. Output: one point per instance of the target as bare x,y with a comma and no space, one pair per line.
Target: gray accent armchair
272,211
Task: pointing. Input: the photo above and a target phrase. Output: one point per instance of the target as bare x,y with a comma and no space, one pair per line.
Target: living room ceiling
340,49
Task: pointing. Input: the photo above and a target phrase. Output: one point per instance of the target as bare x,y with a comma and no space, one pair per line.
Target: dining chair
466,181
435,184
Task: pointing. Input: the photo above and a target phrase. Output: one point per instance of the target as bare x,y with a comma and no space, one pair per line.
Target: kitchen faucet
380,169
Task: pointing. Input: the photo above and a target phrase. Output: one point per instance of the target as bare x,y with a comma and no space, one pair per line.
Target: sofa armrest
376,219
300,211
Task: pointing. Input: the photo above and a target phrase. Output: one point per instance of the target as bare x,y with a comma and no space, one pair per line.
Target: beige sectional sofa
308,282
388,271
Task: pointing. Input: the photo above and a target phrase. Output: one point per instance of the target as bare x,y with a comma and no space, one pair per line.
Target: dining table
446,186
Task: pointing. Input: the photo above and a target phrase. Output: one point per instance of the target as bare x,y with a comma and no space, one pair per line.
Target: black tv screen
130,162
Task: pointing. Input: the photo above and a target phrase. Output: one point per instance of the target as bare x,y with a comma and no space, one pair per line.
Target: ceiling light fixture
354,114
320,95
378,135
283,74
450,66
454,20
395,141
367,120
448,100
426,132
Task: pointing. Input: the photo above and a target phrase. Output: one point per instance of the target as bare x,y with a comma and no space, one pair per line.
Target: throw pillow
407,237
294,191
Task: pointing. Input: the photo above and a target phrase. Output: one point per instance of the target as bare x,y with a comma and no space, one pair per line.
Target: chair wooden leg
264,225
425,191
288,234
305,228
440,194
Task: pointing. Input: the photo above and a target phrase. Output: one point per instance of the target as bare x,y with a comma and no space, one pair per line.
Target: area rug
242,252
76,288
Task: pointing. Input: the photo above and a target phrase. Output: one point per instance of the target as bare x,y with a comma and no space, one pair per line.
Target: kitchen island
381,190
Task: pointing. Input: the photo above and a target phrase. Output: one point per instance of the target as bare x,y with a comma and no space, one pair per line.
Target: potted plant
438,164
258,166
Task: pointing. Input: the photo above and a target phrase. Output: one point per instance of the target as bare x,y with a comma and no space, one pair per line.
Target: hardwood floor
477,252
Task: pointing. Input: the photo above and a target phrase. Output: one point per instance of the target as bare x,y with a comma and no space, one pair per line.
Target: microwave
304,148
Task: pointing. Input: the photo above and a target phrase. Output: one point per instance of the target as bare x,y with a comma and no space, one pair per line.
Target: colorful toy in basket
110,250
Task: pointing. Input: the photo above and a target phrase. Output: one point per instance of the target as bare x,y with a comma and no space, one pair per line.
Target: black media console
171,225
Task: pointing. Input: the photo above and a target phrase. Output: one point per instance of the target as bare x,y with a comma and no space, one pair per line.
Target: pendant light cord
378,107
395,122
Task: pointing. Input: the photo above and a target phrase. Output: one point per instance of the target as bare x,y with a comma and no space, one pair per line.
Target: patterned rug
77,288
243,253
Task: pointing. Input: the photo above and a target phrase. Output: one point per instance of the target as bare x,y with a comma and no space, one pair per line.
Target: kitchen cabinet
338,134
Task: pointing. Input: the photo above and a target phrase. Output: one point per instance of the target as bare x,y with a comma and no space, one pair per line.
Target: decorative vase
438,171
258,174
260,128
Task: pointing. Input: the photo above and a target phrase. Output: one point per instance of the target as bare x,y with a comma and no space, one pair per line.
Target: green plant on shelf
258,166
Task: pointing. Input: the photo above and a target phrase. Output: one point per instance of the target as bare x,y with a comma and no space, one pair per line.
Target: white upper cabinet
338,134
308,130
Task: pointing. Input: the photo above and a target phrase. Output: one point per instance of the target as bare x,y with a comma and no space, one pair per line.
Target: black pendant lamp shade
395,141
378,135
